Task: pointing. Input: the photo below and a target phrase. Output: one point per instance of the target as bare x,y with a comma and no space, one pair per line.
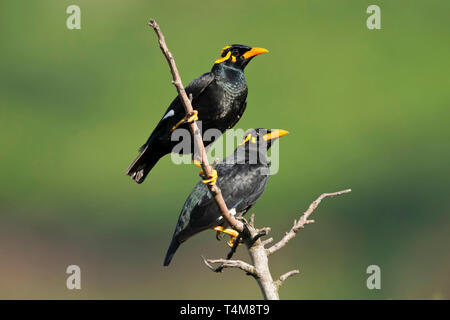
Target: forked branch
303,221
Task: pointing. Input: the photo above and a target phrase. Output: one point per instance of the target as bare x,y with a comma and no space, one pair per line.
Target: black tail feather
140,168
171,251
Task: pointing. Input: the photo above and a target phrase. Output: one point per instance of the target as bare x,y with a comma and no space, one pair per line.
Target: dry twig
283,277
302,221
225,263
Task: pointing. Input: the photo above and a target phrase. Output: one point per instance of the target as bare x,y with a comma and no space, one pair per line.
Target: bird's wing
175,112
200,211
241,112
242,191
238,190
190,209
199,84
198,206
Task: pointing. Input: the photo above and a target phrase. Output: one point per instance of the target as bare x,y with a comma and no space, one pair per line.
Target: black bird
242,178
219,98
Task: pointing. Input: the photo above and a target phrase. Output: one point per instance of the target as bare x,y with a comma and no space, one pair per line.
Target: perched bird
242,179
218,97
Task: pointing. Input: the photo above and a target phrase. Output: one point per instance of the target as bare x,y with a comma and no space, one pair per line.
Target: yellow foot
231,232
191,117
197,163
210,180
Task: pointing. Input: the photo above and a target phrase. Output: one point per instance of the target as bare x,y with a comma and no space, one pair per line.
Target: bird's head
262,137
254,147
238,56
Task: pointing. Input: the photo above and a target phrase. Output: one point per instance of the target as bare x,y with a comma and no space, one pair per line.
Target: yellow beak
278,133
254,52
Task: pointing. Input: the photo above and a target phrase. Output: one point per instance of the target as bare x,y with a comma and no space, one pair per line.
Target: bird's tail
171,251
140,168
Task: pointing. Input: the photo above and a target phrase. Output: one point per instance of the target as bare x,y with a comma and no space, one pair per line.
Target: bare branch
303,221
267,241
225,263
215,162
260,233
214,189
251,222
283,277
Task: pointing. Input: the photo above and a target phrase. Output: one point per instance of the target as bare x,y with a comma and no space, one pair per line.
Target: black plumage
219,97
242,179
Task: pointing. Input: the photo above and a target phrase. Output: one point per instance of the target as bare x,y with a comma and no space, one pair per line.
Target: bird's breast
222,102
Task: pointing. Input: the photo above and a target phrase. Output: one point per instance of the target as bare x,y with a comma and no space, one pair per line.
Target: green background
367,110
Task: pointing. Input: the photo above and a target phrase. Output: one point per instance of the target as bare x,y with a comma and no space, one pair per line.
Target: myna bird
218,97
242,179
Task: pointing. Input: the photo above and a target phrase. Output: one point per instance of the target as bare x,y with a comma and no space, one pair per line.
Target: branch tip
285,276
225,263
300,223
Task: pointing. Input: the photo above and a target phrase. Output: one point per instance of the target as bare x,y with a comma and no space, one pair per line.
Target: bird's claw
193,116
211,180
197,163
231,242
231,232
190,117
218,236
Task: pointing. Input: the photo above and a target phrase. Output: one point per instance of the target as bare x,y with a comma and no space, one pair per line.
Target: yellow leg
231,232
209,180
188,118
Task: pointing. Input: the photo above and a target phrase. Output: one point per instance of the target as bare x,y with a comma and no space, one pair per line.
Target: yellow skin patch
224,58
278,133
246,139
224,48
251,53
233,58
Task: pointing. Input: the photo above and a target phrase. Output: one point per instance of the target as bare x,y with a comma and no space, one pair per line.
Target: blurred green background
367,110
